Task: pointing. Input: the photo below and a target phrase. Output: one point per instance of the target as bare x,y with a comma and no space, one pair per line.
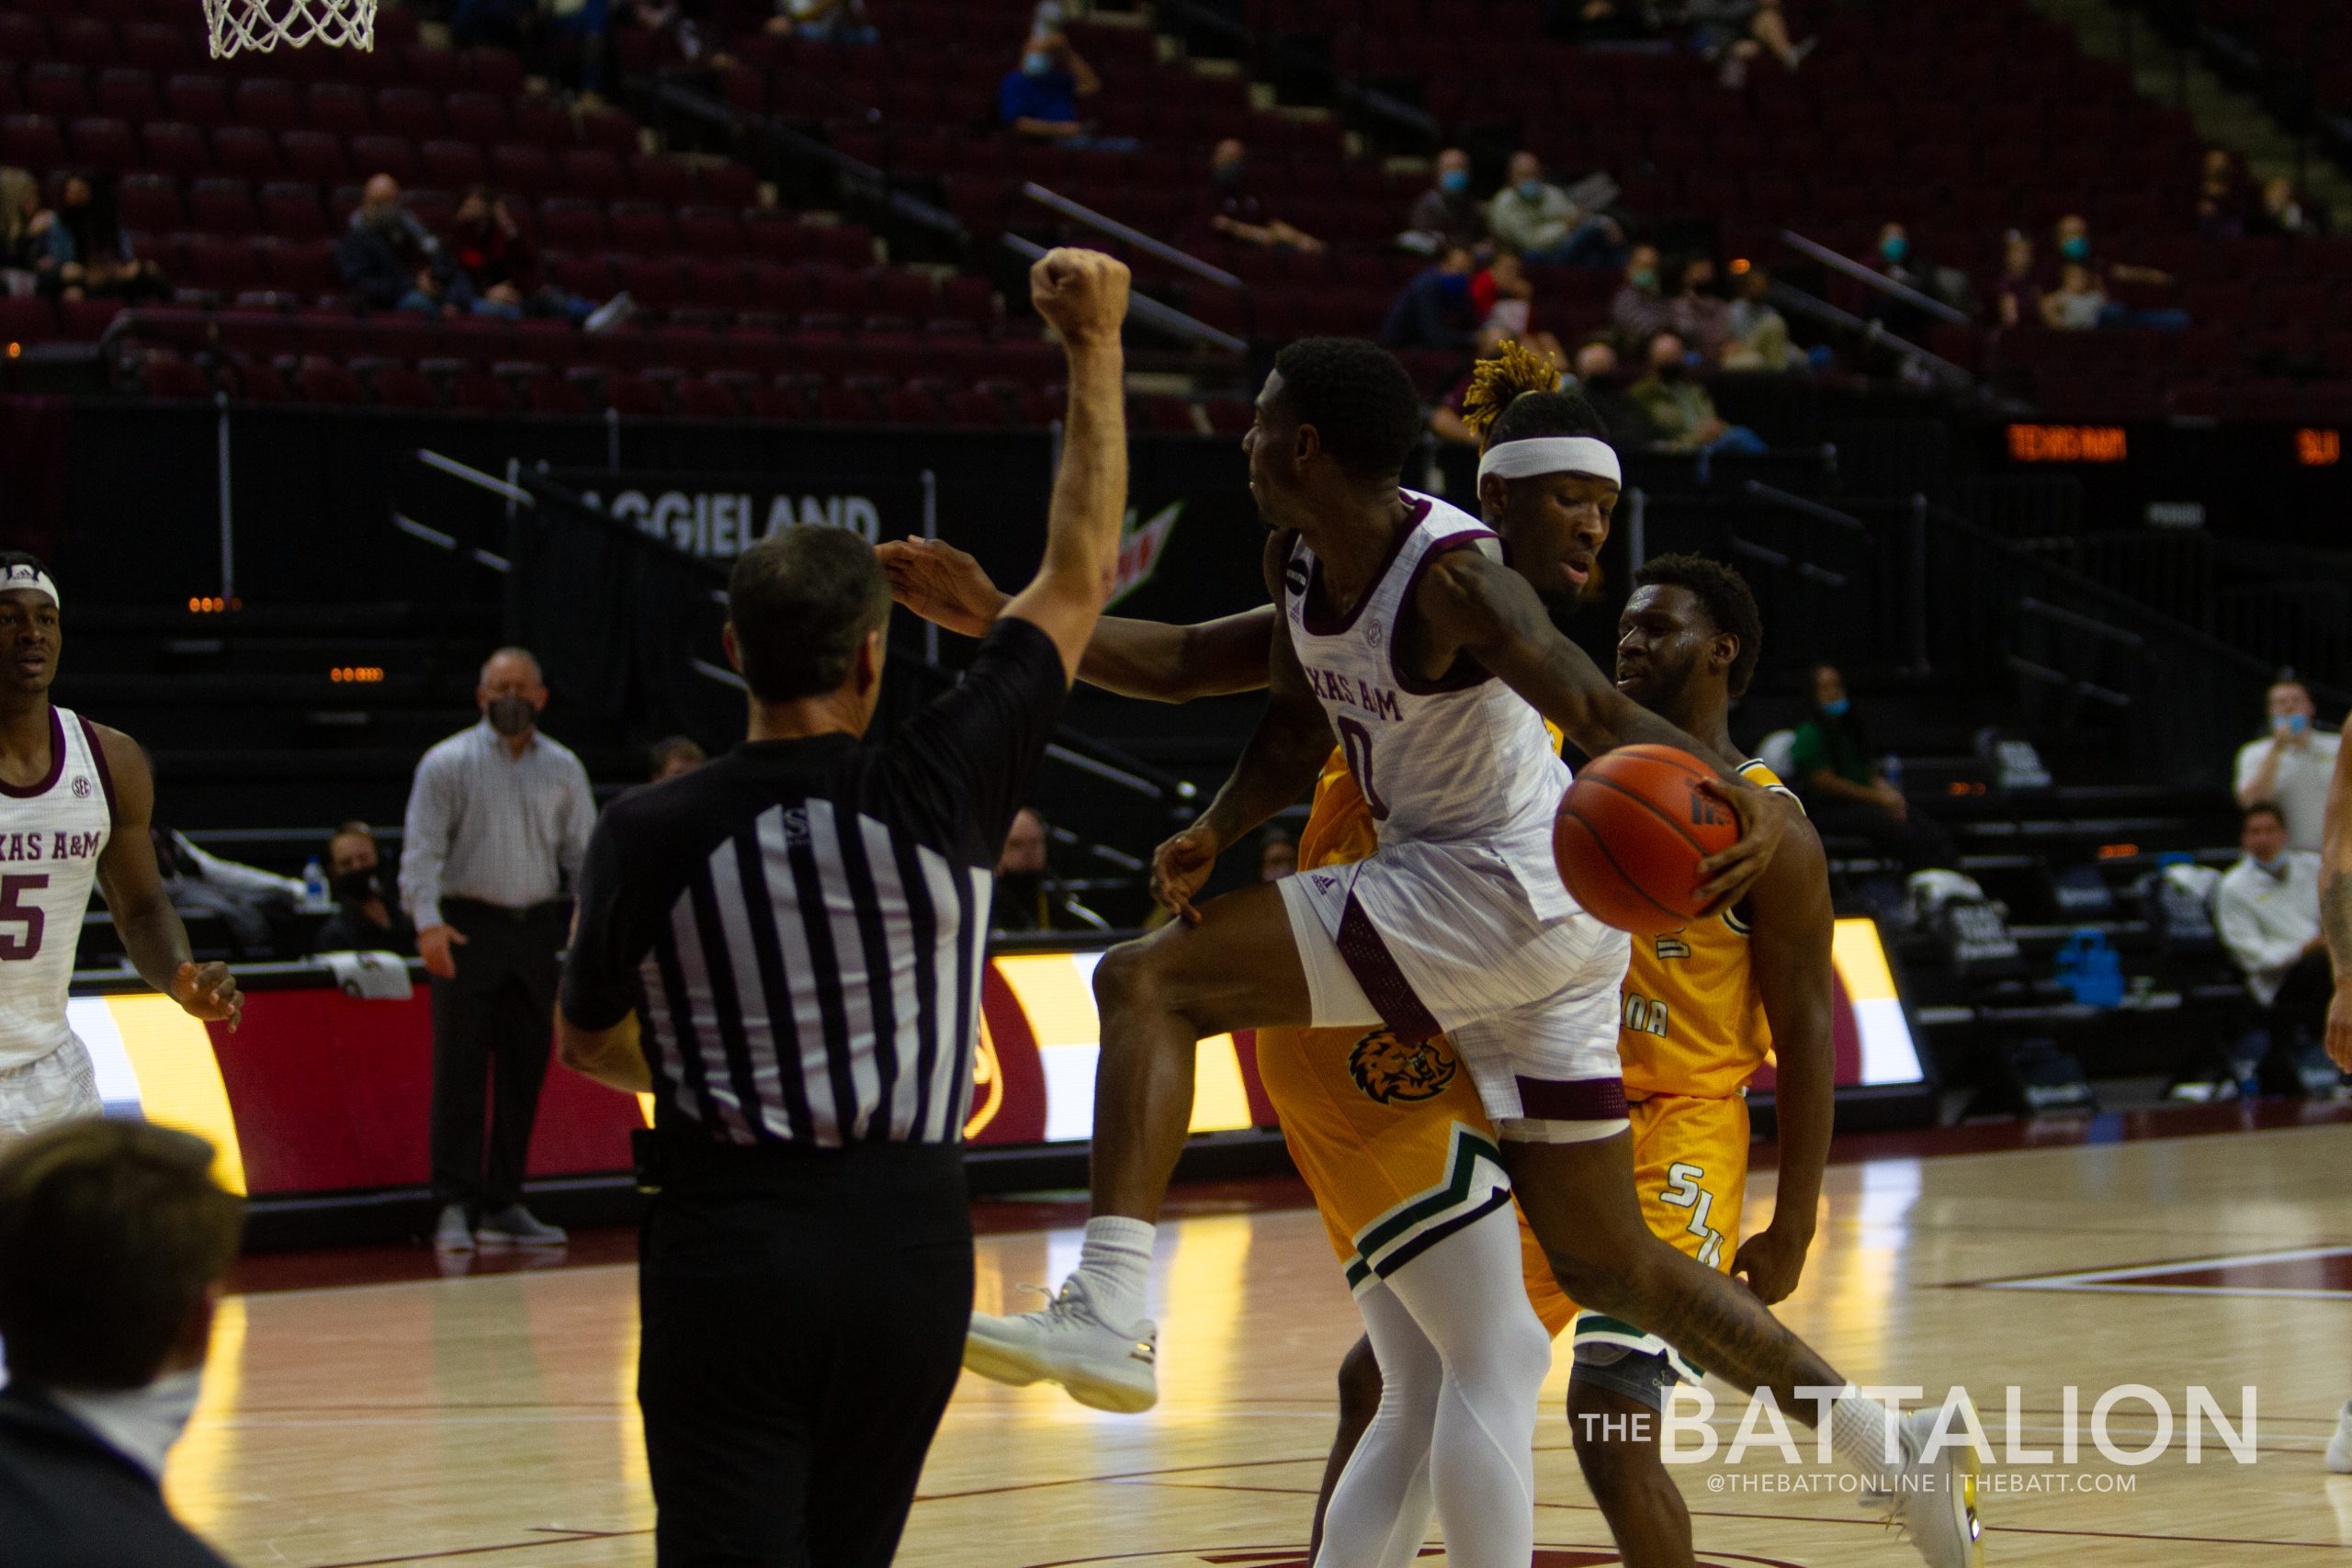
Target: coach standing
784,947
498,815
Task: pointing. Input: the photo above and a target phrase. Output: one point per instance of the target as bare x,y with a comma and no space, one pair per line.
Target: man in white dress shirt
498,817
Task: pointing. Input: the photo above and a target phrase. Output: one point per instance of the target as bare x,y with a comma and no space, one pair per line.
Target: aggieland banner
719,516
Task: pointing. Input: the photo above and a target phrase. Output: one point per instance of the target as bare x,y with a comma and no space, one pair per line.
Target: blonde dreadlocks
1495,382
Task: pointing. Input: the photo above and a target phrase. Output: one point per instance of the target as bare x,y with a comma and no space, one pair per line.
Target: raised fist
1082,293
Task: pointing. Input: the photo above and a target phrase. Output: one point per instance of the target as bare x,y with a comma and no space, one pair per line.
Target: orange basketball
1630,832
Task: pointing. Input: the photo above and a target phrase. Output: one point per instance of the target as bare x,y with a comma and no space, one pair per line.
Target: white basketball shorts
1440,938
60,1087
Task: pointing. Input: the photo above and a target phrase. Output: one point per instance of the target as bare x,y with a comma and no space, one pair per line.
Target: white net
264,24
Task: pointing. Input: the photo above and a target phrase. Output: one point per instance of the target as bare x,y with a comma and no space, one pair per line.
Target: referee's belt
523,916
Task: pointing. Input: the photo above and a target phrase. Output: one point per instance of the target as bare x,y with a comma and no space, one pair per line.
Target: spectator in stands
2220,205
1637,311
2267,911
1277,854
1038,98
2078,304
1697,312
2281,212
1604,386
1435,310
1758,332
24,226
499,264
252,905
368,915
825,21
1893,260
2289,766
1505,298
2019,297
389,258
1237,214
2073,233
115,1240
679,754
1446,213
1683,411
89,255
1029,898
1845,789
505,24
1538,220
1733,33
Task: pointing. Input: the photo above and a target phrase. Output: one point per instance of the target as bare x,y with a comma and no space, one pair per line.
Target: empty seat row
206,101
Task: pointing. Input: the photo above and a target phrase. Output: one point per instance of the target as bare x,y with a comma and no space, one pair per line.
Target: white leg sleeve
1467,1296
1380,1510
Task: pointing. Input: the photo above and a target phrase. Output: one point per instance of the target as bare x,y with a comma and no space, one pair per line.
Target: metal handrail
1149,312
1863,274
1819,310
1756,490
1158,250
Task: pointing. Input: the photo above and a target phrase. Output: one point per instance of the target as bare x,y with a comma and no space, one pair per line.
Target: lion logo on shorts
1390,1072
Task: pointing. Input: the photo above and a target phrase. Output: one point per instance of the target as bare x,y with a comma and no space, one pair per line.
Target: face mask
1533,189
1674,370
1037,64
1895,247
141,1423
1453,182
1643,278
2275,864
1837,709
358,886
2074,247
2291,723
511,716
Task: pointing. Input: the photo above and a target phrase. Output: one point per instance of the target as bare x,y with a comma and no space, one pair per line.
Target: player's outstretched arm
1084,295
1478,606
1284,753
133,886
1789,911
1149,660
2335,906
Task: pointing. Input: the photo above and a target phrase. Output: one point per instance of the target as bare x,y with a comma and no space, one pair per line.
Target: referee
784,947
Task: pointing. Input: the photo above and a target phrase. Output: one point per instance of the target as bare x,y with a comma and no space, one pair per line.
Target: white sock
1862,1433
1115,1263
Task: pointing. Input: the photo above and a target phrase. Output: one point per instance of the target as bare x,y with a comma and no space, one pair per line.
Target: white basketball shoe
1067,1342
1934,1502
2339,1448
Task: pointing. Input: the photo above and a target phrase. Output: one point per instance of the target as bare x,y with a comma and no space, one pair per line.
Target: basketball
1630,834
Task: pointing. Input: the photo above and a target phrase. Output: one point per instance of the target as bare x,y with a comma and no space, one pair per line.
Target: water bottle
314,887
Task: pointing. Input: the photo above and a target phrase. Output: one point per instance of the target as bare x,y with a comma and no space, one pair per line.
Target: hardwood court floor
489,1420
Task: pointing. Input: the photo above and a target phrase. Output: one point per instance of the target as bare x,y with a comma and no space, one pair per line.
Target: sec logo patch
81,787
1391,1072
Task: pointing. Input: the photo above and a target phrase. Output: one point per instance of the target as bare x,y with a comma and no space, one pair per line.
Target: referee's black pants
493,1028
804,1314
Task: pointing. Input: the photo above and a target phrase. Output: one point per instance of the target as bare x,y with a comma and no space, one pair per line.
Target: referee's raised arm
1083,295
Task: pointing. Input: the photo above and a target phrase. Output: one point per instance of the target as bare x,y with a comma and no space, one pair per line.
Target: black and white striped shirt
801,924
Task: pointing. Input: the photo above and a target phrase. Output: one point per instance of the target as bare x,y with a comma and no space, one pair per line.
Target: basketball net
264,24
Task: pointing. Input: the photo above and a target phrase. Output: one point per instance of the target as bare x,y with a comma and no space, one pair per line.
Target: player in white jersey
74,803
1403,633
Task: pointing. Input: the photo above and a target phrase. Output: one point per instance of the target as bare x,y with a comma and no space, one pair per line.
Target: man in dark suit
114,1240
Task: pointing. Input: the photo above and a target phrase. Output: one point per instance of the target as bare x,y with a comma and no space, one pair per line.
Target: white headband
33,578
1552,455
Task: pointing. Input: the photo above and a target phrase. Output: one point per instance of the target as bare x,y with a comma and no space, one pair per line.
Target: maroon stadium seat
270,103
594,172
291,210
522,170
127,93
399,387
27,320
325,381
31,142
150,204
158,46
177,148
451,165
338,107
479,117
247,154
168,376
373,155
641,227
84,41
61,92
409,111
199,98
313,155
567,223
219,205
104,145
